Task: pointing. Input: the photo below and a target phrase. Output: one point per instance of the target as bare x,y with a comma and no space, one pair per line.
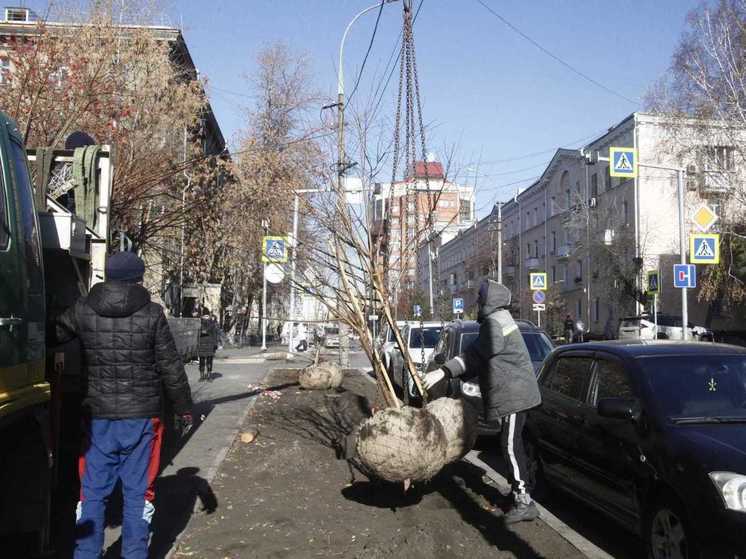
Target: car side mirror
440,359
618,408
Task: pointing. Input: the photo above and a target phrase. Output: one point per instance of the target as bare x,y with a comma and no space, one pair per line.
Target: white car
421,342
669,328
386,343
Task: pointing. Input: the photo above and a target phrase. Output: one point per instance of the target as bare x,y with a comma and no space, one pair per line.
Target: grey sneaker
521,512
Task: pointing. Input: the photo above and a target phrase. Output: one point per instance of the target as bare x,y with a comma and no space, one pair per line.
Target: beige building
596,236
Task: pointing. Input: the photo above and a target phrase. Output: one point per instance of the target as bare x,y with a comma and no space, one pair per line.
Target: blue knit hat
125,266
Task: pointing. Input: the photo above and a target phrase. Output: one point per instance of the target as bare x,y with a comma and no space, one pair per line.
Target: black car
654,435
459,335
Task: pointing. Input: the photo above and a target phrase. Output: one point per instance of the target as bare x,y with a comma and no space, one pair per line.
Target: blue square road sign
684,276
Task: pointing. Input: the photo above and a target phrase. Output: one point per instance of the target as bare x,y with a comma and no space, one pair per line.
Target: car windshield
694,389
430,336
538,345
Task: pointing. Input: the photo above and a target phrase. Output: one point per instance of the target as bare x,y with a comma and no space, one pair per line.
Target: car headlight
732,488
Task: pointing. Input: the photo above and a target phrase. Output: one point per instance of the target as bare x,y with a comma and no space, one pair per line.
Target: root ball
324,376
459,421
404,443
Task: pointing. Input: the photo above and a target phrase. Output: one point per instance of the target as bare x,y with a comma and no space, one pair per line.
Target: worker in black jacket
500,359
129,358
207,346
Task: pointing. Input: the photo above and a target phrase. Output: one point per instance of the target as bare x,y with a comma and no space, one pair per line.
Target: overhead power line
549,53
367,53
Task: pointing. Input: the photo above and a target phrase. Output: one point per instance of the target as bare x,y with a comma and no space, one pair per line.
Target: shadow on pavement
579,516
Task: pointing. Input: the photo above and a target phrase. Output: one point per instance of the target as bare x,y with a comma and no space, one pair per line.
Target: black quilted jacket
129,355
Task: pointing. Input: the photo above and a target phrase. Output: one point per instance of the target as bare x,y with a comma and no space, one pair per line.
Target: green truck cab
50,255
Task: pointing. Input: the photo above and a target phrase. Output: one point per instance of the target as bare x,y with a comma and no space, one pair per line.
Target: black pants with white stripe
511,444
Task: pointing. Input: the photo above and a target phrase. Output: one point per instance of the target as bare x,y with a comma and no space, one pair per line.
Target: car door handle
10,320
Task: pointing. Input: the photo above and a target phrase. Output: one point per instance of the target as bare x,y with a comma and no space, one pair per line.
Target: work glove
433,377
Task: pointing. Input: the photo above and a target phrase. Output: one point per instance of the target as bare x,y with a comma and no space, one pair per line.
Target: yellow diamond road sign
704,218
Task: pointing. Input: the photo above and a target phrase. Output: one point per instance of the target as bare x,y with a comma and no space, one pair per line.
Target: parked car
386,343
331,336
459,335
669,328
652,434
421,339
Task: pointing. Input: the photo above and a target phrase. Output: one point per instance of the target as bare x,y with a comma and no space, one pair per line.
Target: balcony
564,251
533,263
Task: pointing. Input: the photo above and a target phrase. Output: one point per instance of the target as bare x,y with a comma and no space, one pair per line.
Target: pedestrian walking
130,358
569,327
500,359
208,345
302,338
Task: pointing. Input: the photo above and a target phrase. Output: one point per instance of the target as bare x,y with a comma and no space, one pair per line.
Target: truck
55,235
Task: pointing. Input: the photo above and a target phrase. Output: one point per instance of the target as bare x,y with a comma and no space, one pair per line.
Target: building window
579,267
553,207
719,158
594,185
554,242
607,179
4,70
625,210
528,250
579,309
554,274
568,199
536,249
465,210
528,220
596,310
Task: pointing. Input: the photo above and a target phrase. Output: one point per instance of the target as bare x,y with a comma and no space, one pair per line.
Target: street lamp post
341,167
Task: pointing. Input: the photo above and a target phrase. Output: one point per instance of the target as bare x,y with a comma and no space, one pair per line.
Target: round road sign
539,297
274,273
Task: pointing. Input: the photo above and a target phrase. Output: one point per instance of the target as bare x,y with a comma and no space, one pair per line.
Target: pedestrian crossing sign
704,248
623,162
538,281
274,250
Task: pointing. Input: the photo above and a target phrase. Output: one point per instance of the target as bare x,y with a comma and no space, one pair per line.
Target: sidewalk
286,495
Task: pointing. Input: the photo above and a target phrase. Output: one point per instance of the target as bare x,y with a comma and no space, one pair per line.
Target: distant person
301,338
285,333
500,359
208,345
130,359
569,327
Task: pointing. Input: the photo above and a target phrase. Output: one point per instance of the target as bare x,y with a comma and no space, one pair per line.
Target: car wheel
537,483
668,533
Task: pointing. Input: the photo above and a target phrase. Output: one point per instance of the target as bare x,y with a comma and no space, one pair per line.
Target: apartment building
595,236
426,205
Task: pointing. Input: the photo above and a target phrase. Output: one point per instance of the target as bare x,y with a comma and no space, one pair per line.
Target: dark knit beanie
125,266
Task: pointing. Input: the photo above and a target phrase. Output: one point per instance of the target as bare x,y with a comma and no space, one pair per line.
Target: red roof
434,170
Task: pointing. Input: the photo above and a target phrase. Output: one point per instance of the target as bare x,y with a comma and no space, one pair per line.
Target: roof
434,170
647,348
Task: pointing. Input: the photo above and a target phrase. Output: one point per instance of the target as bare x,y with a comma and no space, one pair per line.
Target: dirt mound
323,376
403,443
459,421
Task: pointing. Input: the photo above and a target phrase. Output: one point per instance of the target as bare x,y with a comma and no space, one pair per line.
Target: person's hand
187,421
433,377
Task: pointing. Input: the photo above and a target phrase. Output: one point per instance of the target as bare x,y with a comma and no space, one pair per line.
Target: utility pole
291,310
265,227
682,250
499,242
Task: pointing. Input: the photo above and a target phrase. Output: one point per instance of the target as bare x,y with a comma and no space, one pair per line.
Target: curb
586,547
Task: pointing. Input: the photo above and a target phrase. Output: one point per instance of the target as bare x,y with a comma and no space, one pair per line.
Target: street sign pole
538,318
655,314
264,307
682,250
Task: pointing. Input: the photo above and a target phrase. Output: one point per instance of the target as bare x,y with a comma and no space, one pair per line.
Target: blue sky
484,87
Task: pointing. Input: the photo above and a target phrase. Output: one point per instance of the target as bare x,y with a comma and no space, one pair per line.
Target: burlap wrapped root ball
323,376
404,443
459,421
